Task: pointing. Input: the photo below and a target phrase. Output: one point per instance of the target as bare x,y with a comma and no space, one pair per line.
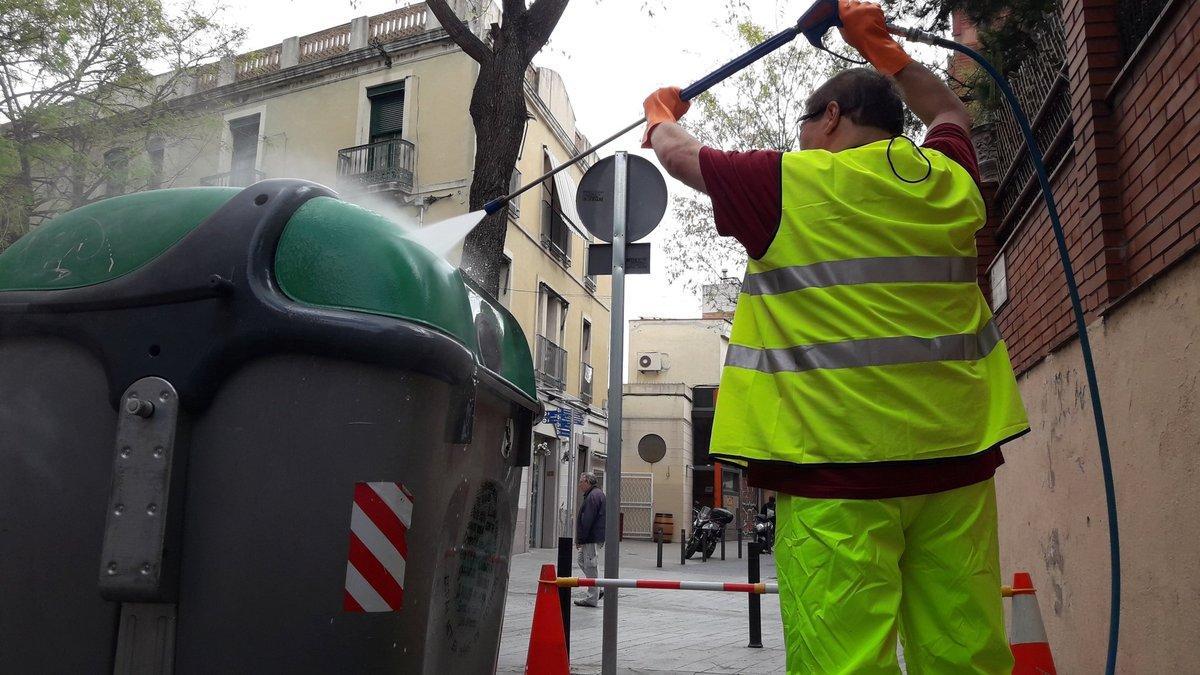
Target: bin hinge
140,554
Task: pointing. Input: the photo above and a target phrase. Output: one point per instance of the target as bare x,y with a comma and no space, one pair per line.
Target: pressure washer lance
819,18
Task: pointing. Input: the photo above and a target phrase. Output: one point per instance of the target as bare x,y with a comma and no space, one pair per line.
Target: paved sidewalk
658,631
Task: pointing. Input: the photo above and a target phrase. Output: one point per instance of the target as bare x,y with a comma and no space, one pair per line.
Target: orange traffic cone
1027,633
547,640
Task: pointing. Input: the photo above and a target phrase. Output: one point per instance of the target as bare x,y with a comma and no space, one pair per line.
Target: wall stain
1052,555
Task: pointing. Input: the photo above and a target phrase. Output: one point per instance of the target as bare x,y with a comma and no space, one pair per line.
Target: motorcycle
708,529
764,531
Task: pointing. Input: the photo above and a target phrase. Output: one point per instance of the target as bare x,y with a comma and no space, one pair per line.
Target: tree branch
543,17
513,9
458,31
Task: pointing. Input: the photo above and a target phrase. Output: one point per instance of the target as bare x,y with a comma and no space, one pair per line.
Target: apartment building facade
377,108
1112,96
669,400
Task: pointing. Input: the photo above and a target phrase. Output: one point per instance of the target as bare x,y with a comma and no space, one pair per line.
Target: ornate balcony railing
551,361
1041,86
383,165
233,178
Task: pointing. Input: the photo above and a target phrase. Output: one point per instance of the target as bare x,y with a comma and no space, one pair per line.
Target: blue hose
1114,542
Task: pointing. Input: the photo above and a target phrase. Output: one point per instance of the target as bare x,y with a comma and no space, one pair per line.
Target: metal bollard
658,536
739,543
722,546
752,575
682,546
564,594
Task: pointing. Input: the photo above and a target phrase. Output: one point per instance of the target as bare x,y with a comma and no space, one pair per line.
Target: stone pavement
658,631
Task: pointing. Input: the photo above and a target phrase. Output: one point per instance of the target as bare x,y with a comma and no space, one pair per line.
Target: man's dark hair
869,98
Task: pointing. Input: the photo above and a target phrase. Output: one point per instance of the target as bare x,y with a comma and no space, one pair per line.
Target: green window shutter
387,113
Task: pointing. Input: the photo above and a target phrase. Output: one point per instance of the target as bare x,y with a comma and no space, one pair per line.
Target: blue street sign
562,421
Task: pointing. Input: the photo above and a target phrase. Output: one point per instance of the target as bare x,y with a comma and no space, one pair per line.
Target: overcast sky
611,54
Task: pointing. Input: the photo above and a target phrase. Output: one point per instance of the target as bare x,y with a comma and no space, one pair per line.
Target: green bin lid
338,255
332,254
105,240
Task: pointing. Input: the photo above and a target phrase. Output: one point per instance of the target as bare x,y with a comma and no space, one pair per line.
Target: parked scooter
764,531
708,529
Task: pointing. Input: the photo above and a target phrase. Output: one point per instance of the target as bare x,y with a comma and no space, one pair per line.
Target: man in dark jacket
589,533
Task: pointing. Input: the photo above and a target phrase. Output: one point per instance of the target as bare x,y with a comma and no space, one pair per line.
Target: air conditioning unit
650,361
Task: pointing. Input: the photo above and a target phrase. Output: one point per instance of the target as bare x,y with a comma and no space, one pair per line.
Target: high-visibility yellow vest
861,334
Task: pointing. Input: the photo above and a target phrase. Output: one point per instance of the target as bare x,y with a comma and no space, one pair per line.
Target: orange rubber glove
664,105
863,28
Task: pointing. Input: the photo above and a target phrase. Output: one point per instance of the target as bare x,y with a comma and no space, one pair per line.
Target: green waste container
252,430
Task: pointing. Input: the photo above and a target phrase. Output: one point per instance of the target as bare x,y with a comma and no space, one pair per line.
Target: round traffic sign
647,198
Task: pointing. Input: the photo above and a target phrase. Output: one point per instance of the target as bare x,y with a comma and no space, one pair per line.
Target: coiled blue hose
1114,542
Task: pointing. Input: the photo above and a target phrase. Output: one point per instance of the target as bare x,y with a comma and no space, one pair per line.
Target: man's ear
831,118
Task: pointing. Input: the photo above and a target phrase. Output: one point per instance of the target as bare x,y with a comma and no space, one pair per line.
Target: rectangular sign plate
637,259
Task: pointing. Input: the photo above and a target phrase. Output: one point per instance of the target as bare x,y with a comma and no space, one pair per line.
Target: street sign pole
616,362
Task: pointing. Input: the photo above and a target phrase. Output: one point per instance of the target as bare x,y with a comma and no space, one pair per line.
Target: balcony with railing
551,363
383,165
241,178
1040,84
586,375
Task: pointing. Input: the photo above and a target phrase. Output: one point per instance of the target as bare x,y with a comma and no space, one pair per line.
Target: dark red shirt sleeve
954,142
747,194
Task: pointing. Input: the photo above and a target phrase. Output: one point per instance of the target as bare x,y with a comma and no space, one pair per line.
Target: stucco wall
1053,520
665,410
693,348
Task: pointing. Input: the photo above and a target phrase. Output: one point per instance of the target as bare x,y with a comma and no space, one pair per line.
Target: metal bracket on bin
140,557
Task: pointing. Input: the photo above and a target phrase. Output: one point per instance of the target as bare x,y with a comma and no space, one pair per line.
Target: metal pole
739,541
682,546
659,538
755,601
722,546
564,594
616,363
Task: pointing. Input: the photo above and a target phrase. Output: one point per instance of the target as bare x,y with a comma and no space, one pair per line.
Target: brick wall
1127,190
1156,109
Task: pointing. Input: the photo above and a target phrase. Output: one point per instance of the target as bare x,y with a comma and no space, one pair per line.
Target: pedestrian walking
589,534
866,381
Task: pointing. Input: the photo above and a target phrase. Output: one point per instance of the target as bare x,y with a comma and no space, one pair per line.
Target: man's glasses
821,111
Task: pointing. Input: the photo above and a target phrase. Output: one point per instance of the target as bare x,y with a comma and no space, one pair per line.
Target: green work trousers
854,573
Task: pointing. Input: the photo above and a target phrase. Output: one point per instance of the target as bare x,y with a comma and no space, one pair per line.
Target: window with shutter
244,160
387,112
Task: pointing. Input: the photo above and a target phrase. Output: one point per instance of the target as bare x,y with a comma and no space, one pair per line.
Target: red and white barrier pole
666,585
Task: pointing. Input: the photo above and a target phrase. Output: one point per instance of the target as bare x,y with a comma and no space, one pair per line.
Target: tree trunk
499,123
498,114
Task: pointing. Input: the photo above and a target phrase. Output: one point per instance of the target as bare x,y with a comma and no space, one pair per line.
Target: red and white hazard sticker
379,522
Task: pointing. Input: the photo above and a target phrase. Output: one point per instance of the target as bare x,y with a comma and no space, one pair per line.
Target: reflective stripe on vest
904,269
869,352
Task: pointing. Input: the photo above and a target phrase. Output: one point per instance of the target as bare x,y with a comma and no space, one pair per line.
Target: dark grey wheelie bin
252,430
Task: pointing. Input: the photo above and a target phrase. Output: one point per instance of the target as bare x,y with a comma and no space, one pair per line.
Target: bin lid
337,255
105,240
331,254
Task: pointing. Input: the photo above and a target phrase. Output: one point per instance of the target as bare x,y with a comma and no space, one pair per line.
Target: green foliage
1008,29
77,82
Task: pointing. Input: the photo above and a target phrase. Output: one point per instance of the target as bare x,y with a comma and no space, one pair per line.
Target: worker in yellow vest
866,380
